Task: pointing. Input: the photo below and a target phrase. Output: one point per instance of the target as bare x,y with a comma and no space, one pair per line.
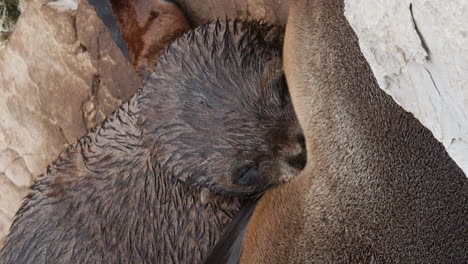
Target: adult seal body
378,187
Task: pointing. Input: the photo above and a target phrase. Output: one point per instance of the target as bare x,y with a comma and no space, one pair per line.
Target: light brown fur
377,188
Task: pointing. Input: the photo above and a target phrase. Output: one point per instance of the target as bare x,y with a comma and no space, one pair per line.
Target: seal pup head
218,110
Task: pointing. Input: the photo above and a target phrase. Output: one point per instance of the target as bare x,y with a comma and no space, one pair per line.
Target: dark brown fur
228,249
148,26
215,115
378,187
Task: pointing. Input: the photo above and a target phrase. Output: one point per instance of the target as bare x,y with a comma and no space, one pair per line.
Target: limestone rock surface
418,51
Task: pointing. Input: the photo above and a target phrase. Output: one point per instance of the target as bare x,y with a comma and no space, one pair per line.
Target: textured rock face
60,74
419,55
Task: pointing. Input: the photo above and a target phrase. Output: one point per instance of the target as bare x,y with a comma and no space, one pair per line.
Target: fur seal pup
215,115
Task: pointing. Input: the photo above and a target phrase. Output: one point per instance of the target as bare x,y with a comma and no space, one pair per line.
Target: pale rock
10,196
23,4
60,75
10,199
5,223
7,156
18,173
63,5
420,57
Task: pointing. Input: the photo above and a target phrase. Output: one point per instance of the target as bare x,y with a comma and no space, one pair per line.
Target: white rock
10,196
7,156
426,72
5,223
18,173
63,5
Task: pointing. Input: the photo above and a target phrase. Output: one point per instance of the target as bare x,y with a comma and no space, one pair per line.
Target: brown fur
215,115
378,187
148,26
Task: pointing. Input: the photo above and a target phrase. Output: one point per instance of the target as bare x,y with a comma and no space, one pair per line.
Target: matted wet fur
215,115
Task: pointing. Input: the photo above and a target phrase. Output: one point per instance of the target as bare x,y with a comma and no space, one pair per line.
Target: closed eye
246,176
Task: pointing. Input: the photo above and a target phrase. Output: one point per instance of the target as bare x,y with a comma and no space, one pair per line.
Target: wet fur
378,187
129,191
228,249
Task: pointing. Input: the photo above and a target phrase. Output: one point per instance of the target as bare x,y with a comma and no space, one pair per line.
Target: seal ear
229,247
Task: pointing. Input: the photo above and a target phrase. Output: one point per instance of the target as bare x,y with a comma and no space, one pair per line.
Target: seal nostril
246,176
299,161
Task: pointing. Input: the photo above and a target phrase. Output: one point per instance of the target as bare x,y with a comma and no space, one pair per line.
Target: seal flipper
229,247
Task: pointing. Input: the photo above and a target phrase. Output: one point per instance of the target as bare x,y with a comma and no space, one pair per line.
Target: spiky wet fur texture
129,191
